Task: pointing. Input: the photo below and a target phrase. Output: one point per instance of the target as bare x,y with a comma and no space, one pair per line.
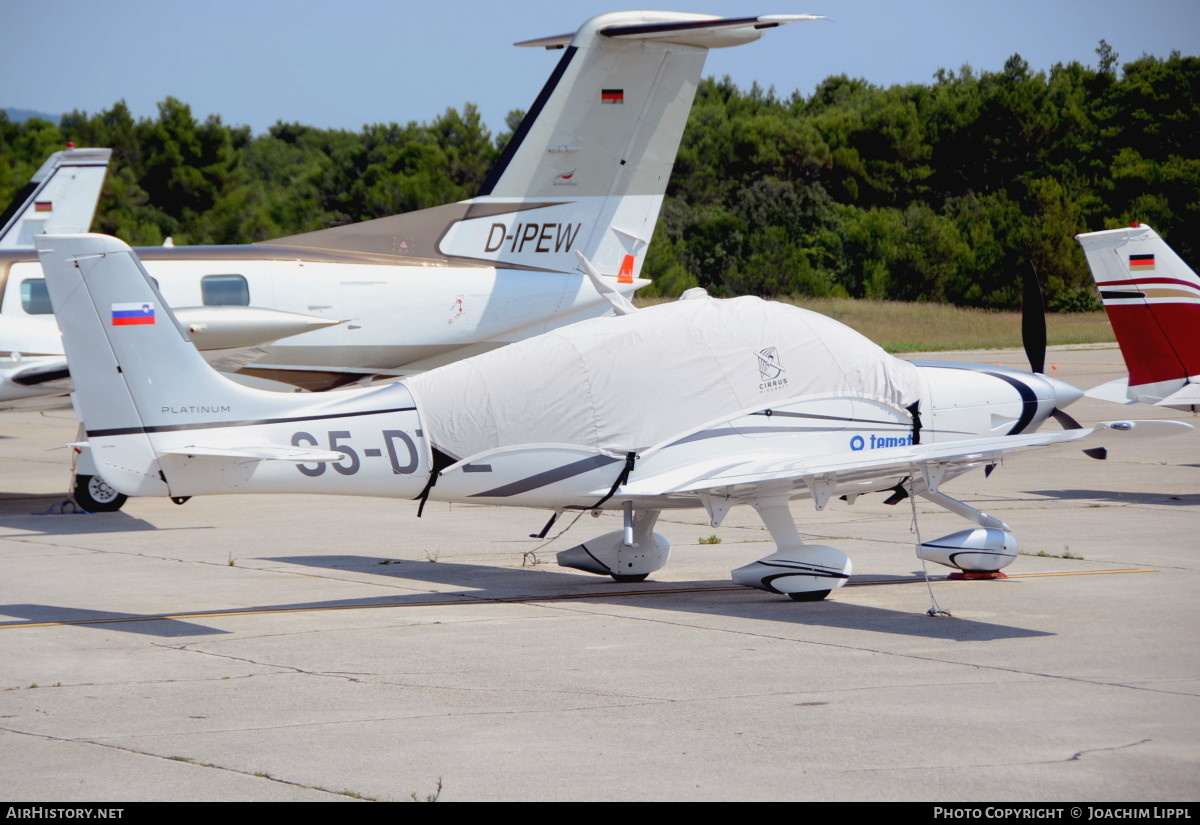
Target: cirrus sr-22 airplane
698,403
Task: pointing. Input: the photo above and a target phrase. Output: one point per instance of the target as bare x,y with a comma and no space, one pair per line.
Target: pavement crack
183,760
1080,754
256,663
1075,757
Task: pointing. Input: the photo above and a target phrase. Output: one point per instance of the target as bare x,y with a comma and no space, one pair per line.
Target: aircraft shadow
59,516
146,625
487,583
1169,499
50,523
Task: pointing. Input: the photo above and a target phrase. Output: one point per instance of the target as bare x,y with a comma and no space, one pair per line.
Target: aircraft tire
630,579
810,596
93,494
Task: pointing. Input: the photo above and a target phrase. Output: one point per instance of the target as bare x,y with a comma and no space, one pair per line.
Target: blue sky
344,64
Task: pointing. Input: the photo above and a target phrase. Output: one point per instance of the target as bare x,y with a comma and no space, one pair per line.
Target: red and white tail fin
1153,302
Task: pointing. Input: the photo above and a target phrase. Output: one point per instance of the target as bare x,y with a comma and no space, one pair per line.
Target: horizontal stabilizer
1116,391
700,31
47,369
1187,398
299,455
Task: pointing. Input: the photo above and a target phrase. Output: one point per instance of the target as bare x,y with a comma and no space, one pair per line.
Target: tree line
948,191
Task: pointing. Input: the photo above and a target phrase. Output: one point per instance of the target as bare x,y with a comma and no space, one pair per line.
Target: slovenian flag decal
1141,262
127,315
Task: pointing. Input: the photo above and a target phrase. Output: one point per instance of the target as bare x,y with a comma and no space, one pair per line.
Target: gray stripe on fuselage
548,477
210,425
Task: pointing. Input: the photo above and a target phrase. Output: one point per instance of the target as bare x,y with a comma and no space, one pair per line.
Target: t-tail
161,422
60,197
1153,302
587,169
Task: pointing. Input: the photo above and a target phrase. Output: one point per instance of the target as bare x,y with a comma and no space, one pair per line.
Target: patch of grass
915,327
356,795
429,797
230,561
713,539
1066,554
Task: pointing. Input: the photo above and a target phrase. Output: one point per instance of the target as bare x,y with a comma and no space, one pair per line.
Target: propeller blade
1068,423
1065,420
1033,322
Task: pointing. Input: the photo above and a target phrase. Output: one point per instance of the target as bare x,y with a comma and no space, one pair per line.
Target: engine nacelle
810,568
607,555
977,550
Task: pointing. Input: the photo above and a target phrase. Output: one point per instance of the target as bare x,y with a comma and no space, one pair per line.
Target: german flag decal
612,95
1141,262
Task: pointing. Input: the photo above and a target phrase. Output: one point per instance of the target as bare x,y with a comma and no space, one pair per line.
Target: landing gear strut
805,572
628,555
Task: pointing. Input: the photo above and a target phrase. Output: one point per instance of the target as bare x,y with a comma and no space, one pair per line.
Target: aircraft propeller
1033,338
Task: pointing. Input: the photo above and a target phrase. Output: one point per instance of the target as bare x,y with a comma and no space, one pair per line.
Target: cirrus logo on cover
770,370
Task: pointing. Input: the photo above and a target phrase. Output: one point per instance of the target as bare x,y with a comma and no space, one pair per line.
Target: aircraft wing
823,474
848,466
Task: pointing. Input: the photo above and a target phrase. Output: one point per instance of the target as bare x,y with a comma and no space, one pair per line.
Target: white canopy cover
620,384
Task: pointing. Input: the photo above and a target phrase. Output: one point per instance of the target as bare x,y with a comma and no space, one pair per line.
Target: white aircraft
1153,302
61,197
63,192
700,403
65,189
586,171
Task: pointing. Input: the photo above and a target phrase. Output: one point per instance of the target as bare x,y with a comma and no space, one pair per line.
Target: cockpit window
35,299
225,291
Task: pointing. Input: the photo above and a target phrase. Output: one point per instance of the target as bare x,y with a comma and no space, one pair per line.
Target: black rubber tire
93,494
810,596
631,579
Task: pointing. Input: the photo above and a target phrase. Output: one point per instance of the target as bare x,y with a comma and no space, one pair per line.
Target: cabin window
35,299
225,291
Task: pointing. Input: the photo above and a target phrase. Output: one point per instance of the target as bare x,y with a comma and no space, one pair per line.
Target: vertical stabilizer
61,197
1153,302
587,169
136,373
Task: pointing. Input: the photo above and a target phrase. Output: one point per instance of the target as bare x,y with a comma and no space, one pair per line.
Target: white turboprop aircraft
700,403
586,171
1153,302
61,197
